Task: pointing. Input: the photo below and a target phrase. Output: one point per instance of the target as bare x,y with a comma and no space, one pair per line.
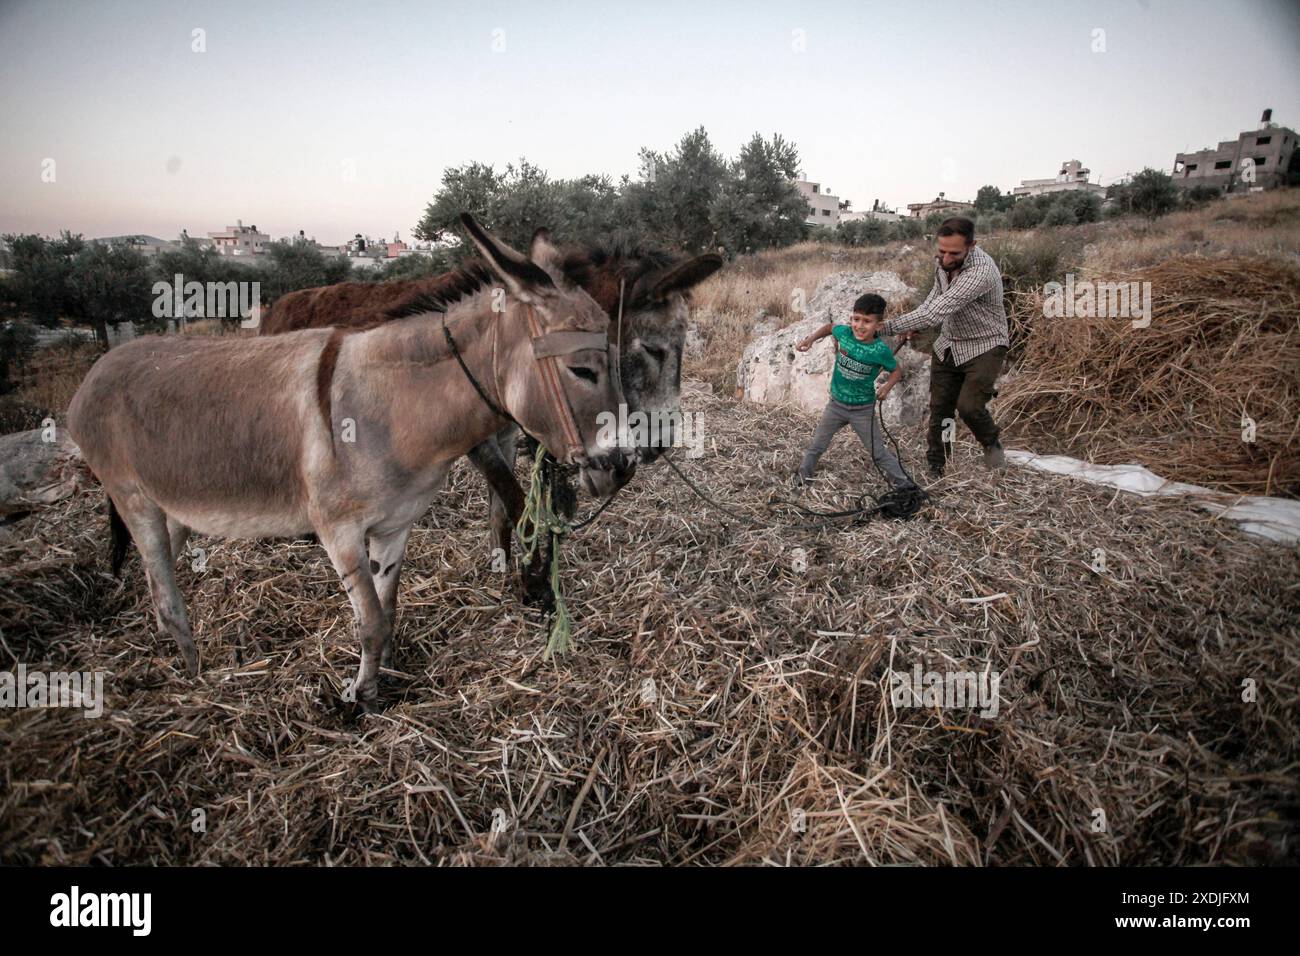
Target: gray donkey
648,290
346,435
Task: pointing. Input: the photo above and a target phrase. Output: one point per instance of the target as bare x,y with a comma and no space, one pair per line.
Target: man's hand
883,392
804,346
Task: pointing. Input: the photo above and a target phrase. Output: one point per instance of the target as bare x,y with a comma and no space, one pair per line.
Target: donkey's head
556,365
653,293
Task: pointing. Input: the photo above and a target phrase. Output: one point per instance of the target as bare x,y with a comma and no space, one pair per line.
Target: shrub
1200,195
1025,214
1059,214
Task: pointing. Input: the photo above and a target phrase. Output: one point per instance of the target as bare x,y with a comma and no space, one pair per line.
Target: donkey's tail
121,536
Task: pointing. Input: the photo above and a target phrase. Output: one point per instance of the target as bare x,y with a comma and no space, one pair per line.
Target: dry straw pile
728,701
1223,345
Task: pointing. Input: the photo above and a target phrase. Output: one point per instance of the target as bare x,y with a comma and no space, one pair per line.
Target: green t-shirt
856,366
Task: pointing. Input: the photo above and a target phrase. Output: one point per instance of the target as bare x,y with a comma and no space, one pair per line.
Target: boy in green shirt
860,355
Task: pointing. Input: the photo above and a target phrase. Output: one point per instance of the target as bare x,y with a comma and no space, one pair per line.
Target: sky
340,117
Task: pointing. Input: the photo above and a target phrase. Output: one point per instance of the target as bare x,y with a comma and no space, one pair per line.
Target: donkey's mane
459,284
598,269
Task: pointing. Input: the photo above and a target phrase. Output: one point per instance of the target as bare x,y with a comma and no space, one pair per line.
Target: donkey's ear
519,274
684,275
543,252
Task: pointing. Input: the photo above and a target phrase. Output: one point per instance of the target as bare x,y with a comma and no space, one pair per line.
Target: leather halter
547,347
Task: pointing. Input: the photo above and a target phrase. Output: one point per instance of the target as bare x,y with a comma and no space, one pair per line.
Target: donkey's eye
656,353
584,373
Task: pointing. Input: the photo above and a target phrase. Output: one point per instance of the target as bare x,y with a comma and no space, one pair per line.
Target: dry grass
1121,691
45,386
1265,226
1224,342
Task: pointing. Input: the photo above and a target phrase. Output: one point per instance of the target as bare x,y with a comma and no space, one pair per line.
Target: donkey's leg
346,546
177,535
149,527
505,498
386,554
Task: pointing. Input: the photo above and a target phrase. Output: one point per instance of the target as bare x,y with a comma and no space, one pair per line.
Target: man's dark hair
958,226
870,304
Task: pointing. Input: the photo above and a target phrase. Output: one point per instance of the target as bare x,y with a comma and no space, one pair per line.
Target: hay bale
1223,346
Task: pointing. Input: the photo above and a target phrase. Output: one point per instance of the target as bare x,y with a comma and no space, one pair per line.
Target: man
966,304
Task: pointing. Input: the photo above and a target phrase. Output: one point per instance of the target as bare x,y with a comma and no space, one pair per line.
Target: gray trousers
863,420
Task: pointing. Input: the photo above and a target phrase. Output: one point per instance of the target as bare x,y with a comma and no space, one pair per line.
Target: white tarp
1277,519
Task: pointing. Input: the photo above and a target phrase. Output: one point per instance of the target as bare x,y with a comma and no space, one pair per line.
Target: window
1189,167
1260,160
1226,164
812,211
816,188
1263,140
826,212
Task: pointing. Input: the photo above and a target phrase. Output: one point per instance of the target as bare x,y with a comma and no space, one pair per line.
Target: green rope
539,518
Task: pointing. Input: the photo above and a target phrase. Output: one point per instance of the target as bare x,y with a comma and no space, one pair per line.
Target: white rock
764,324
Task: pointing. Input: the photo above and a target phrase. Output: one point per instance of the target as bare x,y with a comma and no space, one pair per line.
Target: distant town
1256,160
250,243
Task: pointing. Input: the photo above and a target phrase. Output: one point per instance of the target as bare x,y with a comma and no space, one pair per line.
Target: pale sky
893,100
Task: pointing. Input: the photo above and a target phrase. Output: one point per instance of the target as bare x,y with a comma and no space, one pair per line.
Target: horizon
315,117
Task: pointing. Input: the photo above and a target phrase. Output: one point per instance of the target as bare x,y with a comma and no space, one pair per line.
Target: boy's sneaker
994,457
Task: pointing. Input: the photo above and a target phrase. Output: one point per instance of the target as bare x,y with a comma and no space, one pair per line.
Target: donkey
649,290
347,436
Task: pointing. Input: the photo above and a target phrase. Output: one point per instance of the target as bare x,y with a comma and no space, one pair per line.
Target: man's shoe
995,457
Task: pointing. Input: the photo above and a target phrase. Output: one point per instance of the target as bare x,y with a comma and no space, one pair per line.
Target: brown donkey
348,436
651,291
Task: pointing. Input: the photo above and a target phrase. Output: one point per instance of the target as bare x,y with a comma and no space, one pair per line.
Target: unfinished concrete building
1257,159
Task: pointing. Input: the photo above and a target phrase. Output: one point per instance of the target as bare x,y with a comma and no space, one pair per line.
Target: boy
859,357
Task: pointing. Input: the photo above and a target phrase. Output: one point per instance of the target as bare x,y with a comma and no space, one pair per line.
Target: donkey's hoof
191,658
362,699
536,592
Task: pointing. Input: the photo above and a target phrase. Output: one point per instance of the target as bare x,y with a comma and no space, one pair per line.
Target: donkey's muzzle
603,475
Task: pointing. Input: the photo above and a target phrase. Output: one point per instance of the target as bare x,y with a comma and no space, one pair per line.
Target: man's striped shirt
968,309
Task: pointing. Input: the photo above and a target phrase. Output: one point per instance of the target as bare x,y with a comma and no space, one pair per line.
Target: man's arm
819,334
970,285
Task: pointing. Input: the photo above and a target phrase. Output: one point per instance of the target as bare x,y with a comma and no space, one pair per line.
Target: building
878,211
1257,159
919,210
240,240
395,248
823,207
148,246
1072,177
